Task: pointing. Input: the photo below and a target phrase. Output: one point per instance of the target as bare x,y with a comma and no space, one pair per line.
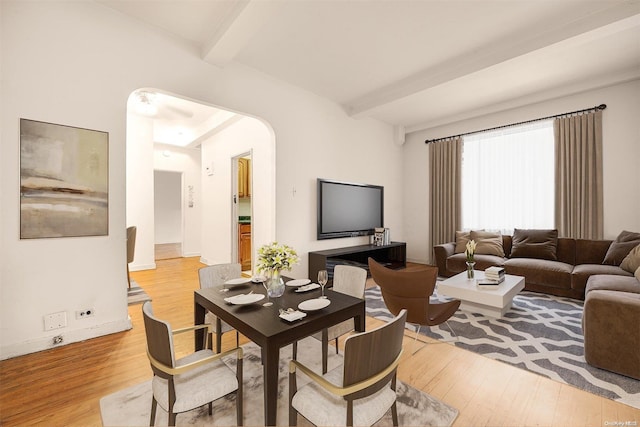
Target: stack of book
494,274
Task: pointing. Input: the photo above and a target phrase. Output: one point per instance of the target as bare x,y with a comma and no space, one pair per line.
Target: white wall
167,206
76,63
621,159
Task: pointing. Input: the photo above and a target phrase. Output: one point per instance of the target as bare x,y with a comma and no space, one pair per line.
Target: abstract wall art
64,181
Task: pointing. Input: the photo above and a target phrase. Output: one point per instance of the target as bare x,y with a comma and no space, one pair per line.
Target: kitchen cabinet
244,177
244,246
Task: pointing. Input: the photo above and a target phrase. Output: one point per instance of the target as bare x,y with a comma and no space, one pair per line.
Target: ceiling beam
482,59
244,20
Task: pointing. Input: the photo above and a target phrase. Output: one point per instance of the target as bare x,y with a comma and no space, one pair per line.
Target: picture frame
64,181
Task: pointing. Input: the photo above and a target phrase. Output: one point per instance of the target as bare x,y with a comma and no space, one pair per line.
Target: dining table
264,326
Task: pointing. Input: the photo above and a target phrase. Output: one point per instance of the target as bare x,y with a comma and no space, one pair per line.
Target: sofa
611,323
550,264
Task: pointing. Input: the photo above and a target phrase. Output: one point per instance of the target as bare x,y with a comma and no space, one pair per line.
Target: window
508,178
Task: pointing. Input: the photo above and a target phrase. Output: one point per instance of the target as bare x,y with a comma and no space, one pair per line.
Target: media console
393,256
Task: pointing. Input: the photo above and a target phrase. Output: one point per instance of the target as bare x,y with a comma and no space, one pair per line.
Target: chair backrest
406,289
349,280
159,338
368,353
131,242
211,276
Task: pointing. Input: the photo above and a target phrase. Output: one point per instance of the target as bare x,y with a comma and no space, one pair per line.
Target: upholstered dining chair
360,391
349,280
180,385
131,248
210,277
411,290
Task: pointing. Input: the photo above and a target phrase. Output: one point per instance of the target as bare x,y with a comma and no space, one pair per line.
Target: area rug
136,295
132,406
541,333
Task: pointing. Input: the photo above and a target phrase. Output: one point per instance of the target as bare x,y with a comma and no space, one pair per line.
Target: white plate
244,299
238,281
258,279
297,282
314,304
309,287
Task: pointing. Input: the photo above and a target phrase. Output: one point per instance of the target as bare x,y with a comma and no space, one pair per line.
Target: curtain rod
598,107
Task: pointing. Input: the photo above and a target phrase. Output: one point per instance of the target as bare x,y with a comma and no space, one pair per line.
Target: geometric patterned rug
541,333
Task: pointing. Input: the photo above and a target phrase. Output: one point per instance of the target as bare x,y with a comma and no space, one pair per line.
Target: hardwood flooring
63,386
167,251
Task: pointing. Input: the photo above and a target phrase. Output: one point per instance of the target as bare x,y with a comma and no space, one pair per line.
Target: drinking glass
322,279
265,283
224,275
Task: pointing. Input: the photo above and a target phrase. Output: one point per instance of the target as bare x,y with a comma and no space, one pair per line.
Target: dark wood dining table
263,326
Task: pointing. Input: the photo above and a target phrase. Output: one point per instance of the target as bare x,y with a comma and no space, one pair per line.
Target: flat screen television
347,210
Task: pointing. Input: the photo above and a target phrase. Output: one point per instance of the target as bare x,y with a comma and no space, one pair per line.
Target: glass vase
470,271
275,284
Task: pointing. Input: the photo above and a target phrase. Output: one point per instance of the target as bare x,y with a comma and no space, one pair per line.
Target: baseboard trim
138,267
70,337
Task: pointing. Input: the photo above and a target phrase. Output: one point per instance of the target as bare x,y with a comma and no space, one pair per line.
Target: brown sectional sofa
611,323
577,260
586,269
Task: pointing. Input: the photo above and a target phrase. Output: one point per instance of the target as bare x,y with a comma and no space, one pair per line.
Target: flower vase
470,271
275,284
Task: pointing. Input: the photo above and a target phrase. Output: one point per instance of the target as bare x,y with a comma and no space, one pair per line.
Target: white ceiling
415,63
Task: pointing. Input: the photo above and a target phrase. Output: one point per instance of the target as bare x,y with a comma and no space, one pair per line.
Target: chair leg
128,277
394,414
416,339
294,352
293,387
210,408
154,405
454,339
239,393
337,346
237,339
218,342
325,349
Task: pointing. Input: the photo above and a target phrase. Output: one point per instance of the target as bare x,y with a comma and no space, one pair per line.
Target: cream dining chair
212,276
349,280
362,390
181,385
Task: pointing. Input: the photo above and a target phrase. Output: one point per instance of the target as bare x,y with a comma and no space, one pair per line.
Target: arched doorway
201,141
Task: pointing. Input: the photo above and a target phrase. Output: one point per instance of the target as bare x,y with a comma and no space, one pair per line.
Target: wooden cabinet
244,246
244,177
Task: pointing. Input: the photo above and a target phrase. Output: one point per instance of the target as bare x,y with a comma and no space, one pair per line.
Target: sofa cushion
582,272
462,237
637,273
541,244
631,262
544,272
621,247
458,262
606,282
488,243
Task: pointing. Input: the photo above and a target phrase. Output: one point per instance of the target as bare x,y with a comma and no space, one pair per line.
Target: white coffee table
492,301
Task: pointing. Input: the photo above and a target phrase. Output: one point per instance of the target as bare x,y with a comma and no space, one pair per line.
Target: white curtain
508,178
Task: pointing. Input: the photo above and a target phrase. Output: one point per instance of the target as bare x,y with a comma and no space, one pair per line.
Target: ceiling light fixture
145,105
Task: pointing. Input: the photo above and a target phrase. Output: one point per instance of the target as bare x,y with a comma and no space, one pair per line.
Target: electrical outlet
57,340
81,314
55,321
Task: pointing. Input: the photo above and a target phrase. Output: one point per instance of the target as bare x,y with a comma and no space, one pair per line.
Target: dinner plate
314,304
238,281
258,279
244,299
297,282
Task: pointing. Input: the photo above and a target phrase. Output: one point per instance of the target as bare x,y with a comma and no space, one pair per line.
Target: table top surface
265,321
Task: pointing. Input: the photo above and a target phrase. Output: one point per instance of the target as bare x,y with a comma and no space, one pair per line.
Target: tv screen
347,210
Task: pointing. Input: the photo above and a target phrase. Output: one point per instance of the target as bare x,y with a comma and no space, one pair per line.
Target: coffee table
492,301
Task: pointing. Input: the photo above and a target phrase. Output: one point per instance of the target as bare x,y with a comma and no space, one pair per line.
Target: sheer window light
508,178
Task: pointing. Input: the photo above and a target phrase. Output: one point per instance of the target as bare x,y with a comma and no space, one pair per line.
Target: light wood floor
167,251
63,386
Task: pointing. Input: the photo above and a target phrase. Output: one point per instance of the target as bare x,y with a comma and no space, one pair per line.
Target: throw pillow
540,244
631,262
462,237
621,247
488,243
637,273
